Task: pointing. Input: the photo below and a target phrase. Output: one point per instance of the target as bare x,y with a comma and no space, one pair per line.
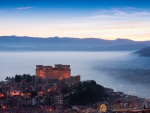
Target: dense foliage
19,78
88,92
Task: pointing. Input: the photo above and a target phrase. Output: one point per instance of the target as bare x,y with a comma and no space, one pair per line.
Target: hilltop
144,52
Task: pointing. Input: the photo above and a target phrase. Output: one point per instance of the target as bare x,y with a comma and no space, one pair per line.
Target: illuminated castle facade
58,72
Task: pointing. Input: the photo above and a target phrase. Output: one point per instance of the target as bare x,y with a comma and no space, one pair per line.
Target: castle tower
77,79
39,69
58,72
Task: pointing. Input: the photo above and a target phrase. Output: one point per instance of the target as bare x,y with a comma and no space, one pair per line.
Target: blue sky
107,19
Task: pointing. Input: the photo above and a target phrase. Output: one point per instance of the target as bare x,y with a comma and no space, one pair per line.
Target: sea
82,63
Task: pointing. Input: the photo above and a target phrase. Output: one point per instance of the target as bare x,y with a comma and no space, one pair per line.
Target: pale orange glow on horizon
137,34
131,26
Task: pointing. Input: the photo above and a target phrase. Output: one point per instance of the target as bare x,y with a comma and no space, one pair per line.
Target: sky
106,19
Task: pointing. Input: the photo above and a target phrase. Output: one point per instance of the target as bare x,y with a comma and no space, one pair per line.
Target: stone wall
58,72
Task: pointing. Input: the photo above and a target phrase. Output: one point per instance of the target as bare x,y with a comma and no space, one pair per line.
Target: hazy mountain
10,43
144,52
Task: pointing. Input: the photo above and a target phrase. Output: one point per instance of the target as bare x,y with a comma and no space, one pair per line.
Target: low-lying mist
129,73
119,70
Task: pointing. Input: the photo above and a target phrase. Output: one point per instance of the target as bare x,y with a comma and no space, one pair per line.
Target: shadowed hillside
144,52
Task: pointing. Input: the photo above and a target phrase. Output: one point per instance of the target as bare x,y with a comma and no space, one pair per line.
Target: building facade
58,72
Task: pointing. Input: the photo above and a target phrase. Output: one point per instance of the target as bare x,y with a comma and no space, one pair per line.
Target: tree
24,76
7,78
28,78
17,78
88,92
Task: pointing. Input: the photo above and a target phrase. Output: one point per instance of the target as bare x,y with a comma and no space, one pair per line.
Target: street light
103,108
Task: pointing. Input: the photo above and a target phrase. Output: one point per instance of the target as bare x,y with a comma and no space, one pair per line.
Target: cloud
142,13
126,8
112,11
118,12
24,8
121,13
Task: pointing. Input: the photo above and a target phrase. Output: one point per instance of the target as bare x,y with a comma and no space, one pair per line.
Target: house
15,91
58,98
5,88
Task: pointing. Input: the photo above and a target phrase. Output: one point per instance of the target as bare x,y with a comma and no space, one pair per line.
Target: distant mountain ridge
16,43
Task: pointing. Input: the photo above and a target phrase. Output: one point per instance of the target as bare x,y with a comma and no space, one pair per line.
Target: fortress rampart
58,72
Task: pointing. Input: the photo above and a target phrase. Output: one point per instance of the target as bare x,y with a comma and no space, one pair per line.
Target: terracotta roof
122,109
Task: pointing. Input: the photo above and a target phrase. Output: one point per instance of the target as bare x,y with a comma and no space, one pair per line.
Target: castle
58,72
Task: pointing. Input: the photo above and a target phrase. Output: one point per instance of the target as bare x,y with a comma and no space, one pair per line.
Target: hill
16,43
144,52
88,92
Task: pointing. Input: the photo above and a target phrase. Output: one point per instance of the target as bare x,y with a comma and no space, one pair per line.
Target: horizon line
77,38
